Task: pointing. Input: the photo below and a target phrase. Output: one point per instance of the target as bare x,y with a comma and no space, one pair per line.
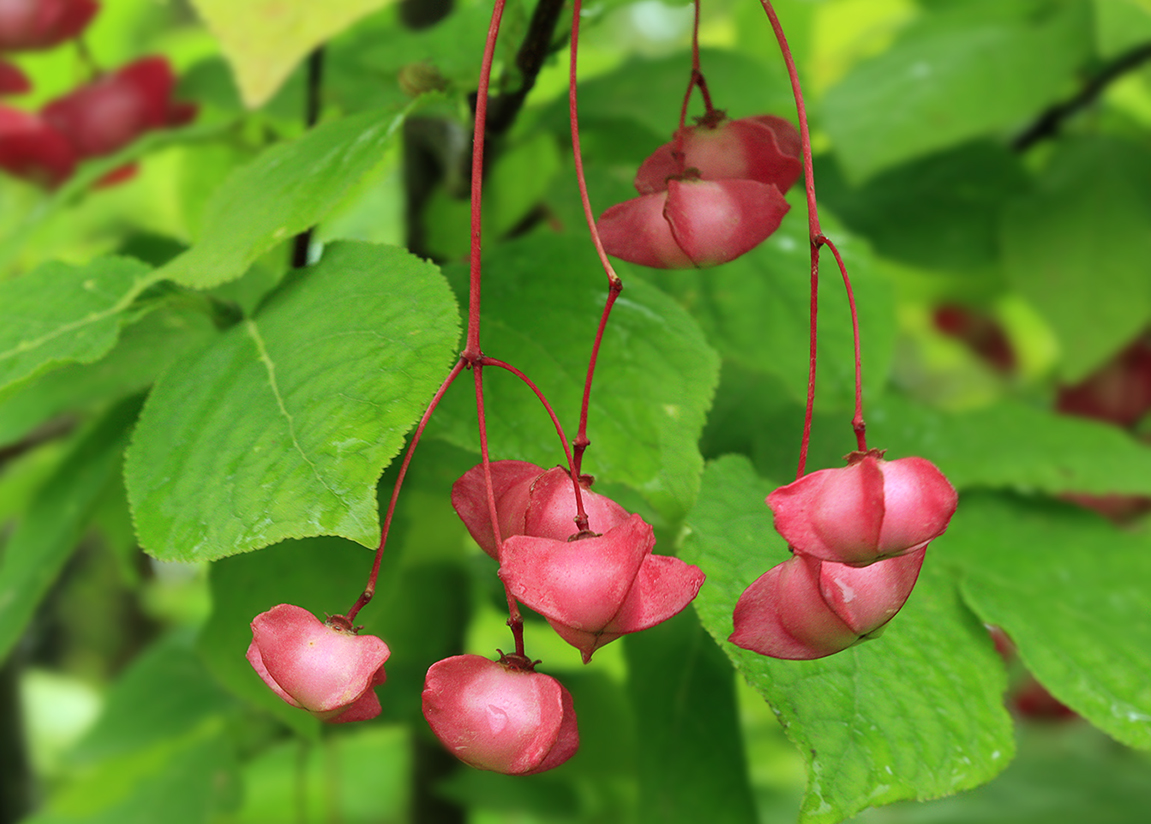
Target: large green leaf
1074,593
282,427
680,686
265,41
1064,774
56,518
180,780
756,311
60,313
165,693
144,349
281,193
961,71
1078,248
1013,446
916,713
653,385
936,212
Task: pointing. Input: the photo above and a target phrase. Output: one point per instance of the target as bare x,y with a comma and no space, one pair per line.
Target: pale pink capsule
324,668
529,501
500,716
804,608
864,512
693,223
595,589
764,148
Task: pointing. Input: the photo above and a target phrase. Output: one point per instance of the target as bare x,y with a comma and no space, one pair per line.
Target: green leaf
1074,593
282,427
1013,446
1085,228
1066,774
961,71
60,313
916,713
938,212
178,781
756,311
265,41
144,349
542,300
56,518
681,692
281,193
166,693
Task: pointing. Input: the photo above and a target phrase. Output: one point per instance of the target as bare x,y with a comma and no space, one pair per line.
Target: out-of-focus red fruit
529,501
31,149
982,334
500,715
804,608
595,589
1119,392
29,25
1035,702
867,511
12,80
324,668
765,148
108,114
693,223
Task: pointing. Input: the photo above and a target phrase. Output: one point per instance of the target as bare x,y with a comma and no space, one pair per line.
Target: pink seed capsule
324,668
867,511
500,715
805,608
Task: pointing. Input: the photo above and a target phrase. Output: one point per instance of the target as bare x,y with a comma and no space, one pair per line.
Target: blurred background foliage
985,166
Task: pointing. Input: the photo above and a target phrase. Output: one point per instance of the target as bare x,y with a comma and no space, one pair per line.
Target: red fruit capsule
28,25
108,114
33,150
500,716
764,148
529,501
693,223
324,668
805,608
595,589
867,511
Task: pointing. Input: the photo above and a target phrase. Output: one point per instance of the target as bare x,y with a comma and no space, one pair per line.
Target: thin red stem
696,79
472,349
370,589
582,442
857,422
817,239
581,519
615,285
515,620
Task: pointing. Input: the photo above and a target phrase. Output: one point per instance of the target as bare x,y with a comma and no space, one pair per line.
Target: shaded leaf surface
653,385
962,70
282,427
756,311
1013,446
916,713
56,518
282,192
680,686
1078,247
80,322
143,350
1074,593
